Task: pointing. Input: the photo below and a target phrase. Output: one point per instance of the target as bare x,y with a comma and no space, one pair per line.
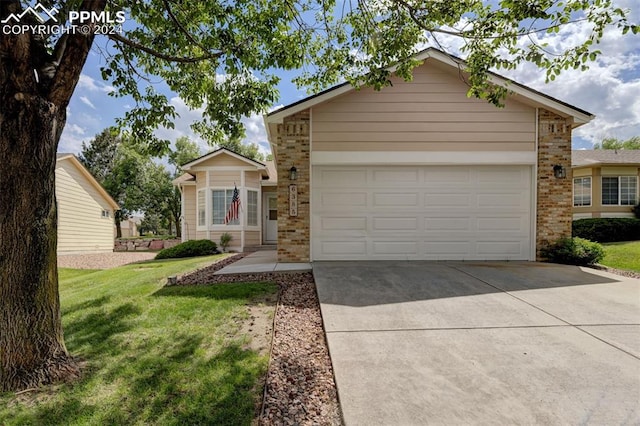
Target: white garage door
425,212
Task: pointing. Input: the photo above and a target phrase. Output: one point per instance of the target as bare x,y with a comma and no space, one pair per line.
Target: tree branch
73,56
160,55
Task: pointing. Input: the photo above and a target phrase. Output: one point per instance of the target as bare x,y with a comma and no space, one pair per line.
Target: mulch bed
300,388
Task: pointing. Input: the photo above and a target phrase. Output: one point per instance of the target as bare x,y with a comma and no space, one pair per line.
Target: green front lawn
152,355
625,255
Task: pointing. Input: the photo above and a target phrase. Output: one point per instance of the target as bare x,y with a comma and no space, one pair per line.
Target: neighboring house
419,170
129,227
605,183
85,209
207,190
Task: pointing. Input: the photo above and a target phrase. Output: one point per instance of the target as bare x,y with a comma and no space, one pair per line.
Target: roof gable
73,160
209,159
522,93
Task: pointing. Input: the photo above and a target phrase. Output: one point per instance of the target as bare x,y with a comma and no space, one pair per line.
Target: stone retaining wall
144,244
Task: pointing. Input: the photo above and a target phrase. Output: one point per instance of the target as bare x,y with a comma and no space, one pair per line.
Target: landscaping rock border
144,244
300,387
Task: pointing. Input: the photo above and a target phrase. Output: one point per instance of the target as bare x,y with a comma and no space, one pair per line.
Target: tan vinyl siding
619,171
224,178
431,113
190,213
252,179
582,172
236,237
252,238
81,227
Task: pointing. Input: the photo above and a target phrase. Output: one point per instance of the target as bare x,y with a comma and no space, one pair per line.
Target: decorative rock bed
144,244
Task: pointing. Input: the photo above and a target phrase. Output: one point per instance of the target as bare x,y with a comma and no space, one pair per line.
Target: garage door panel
449,177
498,248
339,176
344,199
514,225
337,249
395,224
447,224
503,177
385,199
384,177
431,212
509,200
447,200
344,223
382,248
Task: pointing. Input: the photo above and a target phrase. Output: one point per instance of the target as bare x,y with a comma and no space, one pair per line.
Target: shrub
605,230
636,211
225,239
574,251
189,249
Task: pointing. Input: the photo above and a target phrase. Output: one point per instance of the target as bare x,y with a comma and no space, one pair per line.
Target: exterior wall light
559,171
293,173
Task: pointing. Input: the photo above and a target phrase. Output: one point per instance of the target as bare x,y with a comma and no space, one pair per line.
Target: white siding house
85,210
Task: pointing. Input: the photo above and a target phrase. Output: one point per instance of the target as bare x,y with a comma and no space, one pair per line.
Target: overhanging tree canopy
223,57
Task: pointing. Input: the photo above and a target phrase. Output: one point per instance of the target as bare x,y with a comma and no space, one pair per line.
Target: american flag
234,208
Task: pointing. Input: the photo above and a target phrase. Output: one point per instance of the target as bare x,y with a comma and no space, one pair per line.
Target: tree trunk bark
118,228
32,350
33,107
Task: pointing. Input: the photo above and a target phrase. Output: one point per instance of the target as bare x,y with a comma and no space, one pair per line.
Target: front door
270,218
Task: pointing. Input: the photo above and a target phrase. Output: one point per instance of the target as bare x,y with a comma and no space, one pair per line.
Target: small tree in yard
222,57
121,169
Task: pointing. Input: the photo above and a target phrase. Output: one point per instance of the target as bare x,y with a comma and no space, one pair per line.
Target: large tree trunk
33,102
32,350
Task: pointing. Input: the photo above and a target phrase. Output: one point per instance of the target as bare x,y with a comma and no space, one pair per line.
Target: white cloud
72,137
87,102
610,88
88,83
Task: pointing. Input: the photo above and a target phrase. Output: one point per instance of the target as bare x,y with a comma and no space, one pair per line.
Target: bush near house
189,249
605,230
574,251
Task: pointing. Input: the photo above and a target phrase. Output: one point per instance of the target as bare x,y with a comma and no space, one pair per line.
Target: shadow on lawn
152,390
143,367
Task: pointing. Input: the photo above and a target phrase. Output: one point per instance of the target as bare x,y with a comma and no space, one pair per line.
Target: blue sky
610,89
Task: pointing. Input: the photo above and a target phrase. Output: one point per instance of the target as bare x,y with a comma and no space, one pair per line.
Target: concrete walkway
416,343
262,261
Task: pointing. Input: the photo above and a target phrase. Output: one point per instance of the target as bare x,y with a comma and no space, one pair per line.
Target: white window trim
573,193
619,204
258,213
222,226
198,226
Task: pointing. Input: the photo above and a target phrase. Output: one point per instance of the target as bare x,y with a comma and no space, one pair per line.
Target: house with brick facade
605,183
207,189
419,170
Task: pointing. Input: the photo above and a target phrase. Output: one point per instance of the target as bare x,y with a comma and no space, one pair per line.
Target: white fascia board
224,168
278,117
190,166
422,157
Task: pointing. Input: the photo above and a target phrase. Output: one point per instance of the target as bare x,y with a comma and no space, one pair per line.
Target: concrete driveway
417,343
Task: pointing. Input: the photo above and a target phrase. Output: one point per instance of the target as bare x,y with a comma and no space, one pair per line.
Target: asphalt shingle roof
605,156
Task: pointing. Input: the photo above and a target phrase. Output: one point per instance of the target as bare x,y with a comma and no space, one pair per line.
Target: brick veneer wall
554,209
293,149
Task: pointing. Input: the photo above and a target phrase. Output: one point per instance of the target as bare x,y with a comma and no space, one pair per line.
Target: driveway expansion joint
577,327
